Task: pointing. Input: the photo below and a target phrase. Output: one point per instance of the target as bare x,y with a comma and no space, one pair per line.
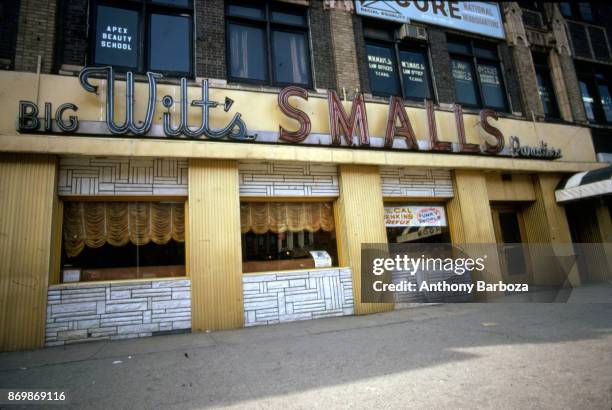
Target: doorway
510,235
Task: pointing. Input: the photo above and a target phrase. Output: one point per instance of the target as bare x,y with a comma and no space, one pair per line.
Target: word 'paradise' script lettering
345,129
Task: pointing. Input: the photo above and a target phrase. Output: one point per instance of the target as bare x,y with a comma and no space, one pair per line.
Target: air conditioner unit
410,31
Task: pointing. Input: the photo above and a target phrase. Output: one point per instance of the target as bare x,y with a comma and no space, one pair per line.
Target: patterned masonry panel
122,176
416,182
300,295
288,179
116,310
407,298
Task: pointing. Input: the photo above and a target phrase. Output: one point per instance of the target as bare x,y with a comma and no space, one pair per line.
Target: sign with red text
412,215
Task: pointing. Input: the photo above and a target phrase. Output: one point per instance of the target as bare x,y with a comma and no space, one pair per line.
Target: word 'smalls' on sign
345,129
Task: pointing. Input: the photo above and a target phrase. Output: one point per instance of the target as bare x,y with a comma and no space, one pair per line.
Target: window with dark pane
477,74
491,86
581,11
606,100
141,36
587,99
290,57
382,70
465,84
545,86
169,43
268,44
415,73
594,83
396,67
247,52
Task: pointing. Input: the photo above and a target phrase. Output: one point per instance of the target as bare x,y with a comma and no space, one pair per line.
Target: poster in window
491,86
415,74
464,82
116,37
412,215
381,68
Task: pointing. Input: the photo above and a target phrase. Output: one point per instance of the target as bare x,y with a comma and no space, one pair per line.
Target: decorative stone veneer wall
416,182
288,179
405,299
78,313
122,176
298,295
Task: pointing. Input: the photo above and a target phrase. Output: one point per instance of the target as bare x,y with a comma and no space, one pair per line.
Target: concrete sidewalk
471,355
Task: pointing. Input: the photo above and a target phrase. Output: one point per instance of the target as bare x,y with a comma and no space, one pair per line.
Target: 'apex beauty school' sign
348,130
472,16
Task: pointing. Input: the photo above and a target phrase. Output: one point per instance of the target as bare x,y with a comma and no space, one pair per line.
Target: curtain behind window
276,217
94,224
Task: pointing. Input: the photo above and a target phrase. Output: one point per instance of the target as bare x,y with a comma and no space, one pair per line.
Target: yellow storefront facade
215,175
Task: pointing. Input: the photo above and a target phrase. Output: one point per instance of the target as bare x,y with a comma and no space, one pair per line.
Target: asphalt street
445,356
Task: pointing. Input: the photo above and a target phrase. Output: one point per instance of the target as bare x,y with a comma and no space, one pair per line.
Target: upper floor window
410,78
477,74
574,10
143,35
268,44
545,86
595,89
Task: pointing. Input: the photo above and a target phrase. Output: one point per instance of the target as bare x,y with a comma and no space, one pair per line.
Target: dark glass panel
291,63
587,100
547,94
178,3
566,8
485,51
606,101
250,11
247,52
169,43
288,18
415,74
382,70
459,47
585,11
491,86
465,86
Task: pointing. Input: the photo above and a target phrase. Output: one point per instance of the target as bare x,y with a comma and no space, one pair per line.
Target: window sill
116,281
292,271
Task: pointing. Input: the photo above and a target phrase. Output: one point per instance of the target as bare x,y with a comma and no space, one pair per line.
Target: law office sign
472,16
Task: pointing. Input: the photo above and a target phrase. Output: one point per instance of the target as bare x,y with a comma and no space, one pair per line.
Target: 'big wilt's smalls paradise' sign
348,130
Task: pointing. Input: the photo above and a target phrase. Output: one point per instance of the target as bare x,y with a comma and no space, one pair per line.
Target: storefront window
268,44
287,236
140,36
545,86
410,223
410,79
483,87
122,240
